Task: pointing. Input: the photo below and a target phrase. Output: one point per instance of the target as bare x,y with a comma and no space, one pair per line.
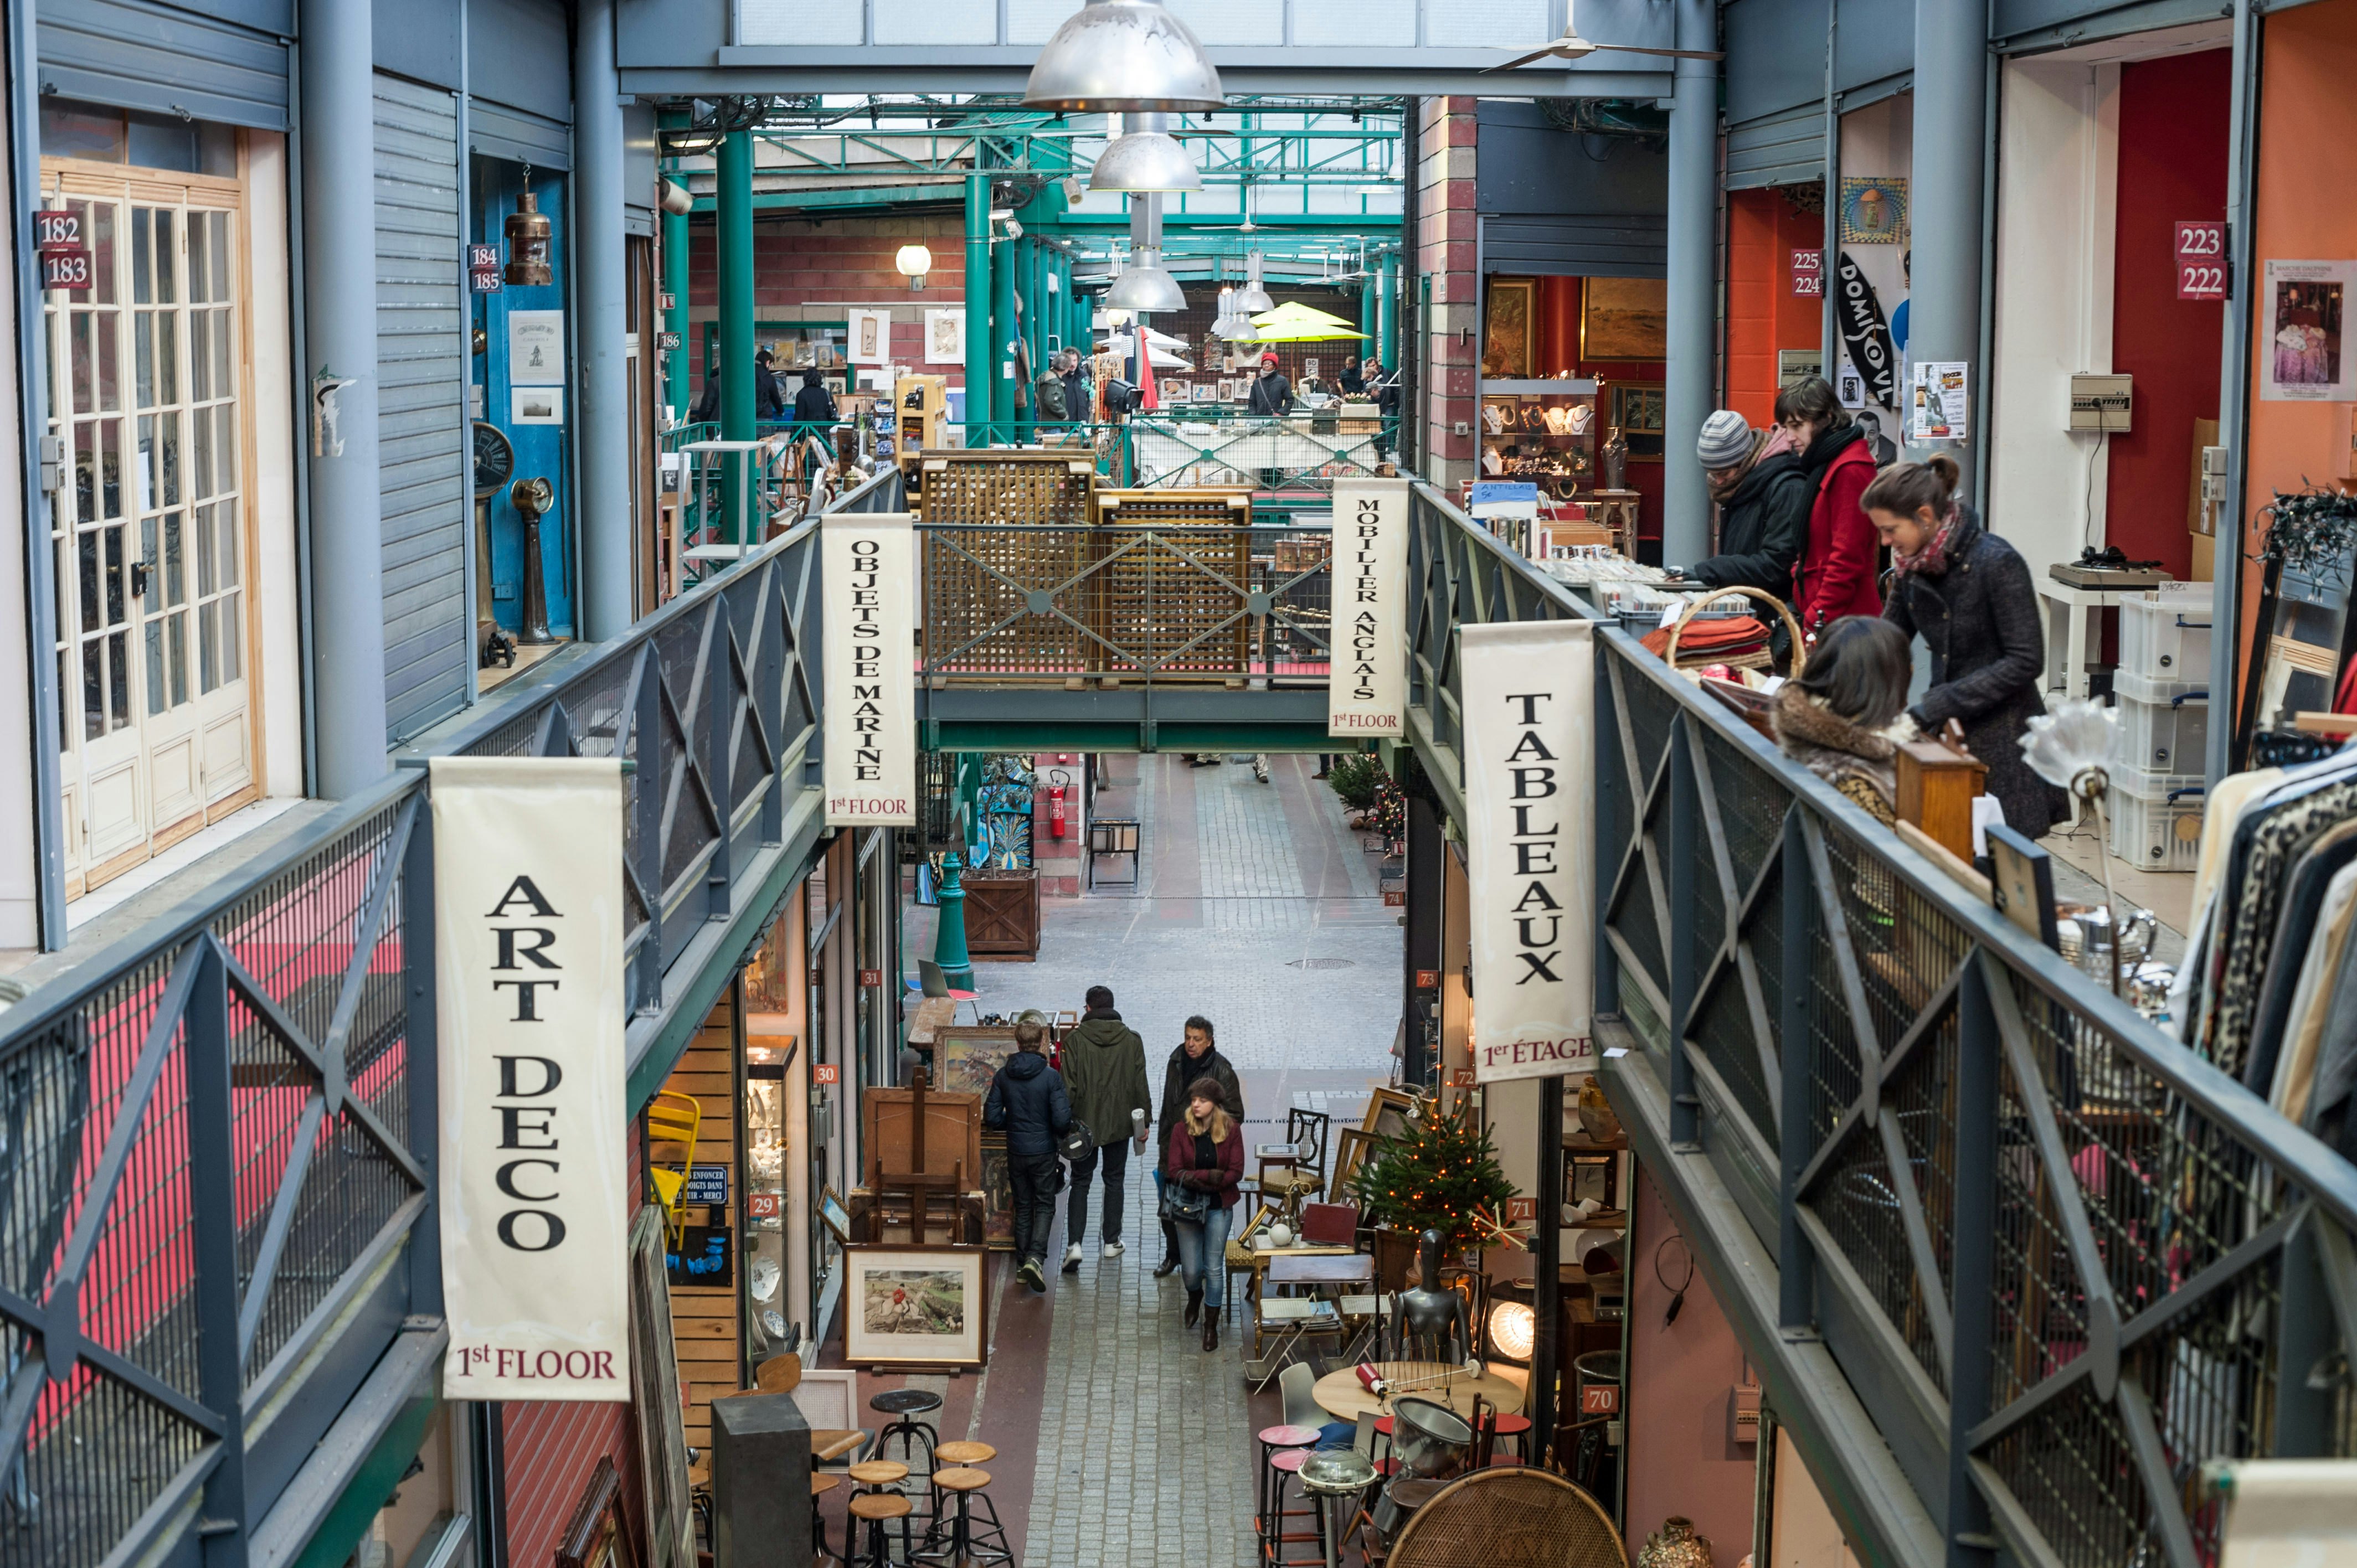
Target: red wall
839,262
1764,315
2173,129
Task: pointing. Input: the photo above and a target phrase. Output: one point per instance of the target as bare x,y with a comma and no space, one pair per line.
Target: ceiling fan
1572,46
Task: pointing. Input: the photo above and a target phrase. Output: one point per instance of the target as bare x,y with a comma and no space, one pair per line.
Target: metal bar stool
904,1405
879,1508
1275,1538
962,1480
823,1483
1276,1444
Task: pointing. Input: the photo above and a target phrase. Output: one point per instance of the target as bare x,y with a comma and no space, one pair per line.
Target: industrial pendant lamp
528,235
1145,285
1148,158
1252,299
1122,55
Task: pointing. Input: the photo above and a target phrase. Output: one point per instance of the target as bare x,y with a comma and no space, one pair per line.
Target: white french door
146,369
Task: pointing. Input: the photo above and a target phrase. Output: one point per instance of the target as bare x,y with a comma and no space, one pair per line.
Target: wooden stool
877,1509
820,1484
966,1485
966,1452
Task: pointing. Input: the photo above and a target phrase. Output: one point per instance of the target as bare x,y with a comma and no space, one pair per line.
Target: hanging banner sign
1530,804
866,583
1865,334
534,1182
1366,692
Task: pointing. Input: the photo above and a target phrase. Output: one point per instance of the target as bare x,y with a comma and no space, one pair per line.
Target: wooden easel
918,1184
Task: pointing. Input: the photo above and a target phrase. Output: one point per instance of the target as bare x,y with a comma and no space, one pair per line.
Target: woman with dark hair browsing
1844,716
1968,594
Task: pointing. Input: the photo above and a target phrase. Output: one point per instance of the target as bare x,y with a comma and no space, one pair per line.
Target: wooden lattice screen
1175,569
1004,527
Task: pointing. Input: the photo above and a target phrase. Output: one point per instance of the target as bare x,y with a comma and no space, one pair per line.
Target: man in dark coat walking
1104,1063
1198,1055
1026,1100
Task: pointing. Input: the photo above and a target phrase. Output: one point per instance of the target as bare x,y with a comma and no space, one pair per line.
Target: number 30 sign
2200,259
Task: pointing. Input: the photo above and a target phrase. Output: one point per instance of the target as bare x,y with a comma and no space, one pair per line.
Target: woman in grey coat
1968,593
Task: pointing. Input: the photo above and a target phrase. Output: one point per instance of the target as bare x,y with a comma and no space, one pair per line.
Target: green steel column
1388,312
679,387
1002,336
733,205
980,364
1370,288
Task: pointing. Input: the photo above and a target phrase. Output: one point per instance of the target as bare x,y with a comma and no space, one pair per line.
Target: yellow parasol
1295,322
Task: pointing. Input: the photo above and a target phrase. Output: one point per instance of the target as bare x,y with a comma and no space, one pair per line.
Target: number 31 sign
2200,259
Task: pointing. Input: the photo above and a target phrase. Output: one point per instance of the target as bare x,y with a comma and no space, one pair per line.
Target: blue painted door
540,449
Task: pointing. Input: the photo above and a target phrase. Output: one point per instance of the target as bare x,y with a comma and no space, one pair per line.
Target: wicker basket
1758,660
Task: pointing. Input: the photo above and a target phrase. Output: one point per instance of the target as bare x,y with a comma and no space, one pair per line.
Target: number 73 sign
2200,259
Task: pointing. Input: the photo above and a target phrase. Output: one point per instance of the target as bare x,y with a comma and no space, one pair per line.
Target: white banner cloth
866,585
1530,864
534,1193
1366,693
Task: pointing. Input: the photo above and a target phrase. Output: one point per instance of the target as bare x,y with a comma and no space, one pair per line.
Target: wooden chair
1299,1162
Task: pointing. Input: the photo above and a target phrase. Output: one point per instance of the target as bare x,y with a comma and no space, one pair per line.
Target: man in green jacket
1105,1072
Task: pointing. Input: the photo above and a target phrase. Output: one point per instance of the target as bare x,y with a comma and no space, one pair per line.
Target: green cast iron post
732,204
980,362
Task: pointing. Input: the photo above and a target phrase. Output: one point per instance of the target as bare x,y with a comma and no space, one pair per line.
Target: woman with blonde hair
1203,1165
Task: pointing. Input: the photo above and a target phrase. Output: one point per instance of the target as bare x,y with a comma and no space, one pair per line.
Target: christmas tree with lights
1441,1175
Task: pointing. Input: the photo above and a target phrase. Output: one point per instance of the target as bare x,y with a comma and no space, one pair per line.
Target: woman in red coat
1206,1160
1840,564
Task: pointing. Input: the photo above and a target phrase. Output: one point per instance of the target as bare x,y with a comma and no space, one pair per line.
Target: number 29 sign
2200,259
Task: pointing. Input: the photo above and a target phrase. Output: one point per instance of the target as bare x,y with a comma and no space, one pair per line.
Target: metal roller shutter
1777,149
1577,246
420,362
133,54
511,134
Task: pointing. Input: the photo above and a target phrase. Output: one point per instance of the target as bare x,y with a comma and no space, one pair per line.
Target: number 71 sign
2200,259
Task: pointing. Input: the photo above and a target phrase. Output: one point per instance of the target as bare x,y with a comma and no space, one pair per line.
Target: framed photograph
1588,1177
1350,1146
2021,885
1623,318
2300,311
871,336
966,1059
535,347
833,1215
997,1195
1873,209
916,1307
1637,412
1387,1113
536,405
945,337
1509,328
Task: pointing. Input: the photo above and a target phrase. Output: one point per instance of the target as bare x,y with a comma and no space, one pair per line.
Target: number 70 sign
2200,259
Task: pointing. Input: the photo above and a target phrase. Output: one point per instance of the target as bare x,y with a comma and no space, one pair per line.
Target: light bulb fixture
914,261
1122,55
1144,286
1252,299
1514,1328
1148,158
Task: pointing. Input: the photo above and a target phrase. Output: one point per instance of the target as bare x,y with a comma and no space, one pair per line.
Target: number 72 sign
2200,259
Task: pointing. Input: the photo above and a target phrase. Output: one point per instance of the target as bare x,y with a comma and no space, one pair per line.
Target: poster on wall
1529,723
1864,333
871,336
1937,402
2303,313
866,562
536,405
534,1192
535,347
1367,694
1873,209
945,337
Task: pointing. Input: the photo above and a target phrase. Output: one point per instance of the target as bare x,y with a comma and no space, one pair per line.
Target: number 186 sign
2200,259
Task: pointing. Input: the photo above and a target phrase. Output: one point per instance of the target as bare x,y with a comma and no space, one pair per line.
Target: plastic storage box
2166,637
2155,820
2164,737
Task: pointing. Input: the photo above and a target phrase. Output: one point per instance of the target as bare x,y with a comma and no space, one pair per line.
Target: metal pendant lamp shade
1122,55
1146,286
1252,299
1147,159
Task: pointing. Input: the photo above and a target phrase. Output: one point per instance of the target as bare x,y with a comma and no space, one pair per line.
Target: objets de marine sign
1366,694
1865,334
1530,867
867,588
534,1193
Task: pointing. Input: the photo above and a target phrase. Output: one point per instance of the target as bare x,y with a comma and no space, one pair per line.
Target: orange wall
1764,315
2307,121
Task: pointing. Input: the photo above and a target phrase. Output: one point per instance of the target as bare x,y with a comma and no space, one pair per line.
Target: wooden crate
1021,527
1173,601
1002,916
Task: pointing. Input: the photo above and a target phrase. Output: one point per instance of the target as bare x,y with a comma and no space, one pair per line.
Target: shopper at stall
1844,716
1104,1065
1271,393
707,403
1204,1159
1763,493
813,404
768,396
1968,593
1387,407
1353,377
1839,561
1080,392
1026,1100
1197,1056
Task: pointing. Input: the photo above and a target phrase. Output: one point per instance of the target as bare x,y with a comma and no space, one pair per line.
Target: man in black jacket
813,404
1079,391
1104,1065
1763,511
1197,1056
768,397
1027,1099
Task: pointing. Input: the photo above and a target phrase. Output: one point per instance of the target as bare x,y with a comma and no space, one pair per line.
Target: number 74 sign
2200,259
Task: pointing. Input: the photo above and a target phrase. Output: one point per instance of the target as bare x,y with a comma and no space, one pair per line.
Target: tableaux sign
528,963
1368,692
1529,710
870,627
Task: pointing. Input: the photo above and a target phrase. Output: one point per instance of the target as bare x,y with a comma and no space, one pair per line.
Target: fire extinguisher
1056,823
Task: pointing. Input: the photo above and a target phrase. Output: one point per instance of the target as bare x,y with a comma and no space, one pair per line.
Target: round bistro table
1340,1394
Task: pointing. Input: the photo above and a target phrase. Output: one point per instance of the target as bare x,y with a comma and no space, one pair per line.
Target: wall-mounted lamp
528,236
914,261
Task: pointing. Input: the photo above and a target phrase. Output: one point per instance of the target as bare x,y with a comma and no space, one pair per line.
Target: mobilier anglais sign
1366,691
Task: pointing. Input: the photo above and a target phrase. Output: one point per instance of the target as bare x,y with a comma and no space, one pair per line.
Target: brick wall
805,270
1444,252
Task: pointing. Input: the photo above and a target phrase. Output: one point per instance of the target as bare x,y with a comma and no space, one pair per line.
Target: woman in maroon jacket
1840,564
1206,1162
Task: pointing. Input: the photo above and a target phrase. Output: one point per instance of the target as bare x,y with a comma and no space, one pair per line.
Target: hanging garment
2303,903
2294,1077
2335,1061
2222,814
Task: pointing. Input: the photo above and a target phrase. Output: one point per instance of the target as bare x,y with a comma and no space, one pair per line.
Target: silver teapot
2089,939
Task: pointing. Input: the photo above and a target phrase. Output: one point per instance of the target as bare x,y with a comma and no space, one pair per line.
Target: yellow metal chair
672,1118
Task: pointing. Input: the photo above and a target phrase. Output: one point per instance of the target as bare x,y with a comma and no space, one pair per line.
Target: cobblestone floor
1144,1454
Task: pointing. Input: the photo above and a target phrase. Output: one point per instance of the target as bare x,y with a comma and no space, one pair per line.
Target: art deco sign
1530,805
535,1184
867,580
1367,691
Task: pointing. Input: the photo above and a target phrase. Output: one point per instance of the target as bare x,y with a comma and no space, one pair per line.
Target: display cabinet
1541,431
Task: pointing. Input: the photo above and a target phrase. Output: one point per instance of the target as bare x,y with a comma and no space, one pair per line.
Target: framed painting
1636,411
1387,1111
969,1057
1350,1146
916,1307
1624,318
871,336
833,1215
1509,328
1874,210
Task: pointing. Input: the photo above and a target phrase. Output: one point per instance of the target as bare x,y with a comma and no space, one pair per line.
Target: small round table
1343,1397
